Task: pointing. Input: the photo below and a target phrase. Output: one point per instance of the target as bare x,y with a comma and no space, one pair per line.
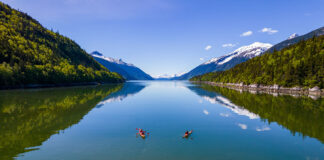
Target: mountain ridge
227,61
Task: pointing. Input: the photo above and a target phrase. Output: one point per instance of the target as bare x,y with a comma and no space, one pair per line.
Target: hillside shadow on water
30,117
300,115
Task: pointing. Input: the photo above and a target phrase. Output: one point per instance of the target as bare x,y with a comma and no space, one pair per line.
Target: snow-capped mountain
228,61
250,51
127,70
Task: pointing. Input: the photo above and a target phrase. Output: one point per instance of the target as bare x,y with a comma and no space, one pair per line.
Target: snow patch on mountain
112,60
293,36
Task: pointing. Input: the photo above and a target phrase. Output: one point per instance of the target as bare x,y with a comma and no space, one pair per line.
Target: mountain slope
31,54
295,38
301,64
128,71
228,61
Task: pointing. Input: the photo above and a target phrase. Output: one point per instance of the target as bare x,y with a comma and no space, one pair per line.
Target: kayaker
187,133
141,133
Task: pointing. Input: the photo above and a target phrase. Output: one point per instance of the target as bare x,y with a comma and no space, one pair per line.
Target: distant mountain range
243,54
295,38
128,71
167,76
297,61
227,61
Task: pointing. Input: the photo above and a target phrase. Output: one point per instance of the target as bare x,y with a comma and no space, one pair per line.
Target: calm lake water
99,122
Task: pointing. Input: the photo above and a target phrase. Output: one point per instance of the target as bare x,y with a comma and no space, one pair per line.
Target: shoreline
35,86
273,89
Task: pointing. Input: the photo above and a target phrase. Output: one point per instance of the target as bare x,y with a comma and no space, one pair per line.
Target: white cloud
224,114
247,33
228,45
206,112
208,47
264,128
242,126
269,30
201,59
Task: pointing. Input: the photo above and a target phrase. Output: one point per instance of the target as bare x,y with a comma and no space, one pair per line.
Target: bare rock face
315,89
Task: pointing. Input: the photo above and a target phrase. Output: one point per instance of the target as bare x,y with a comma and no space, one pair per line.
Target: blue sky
173,36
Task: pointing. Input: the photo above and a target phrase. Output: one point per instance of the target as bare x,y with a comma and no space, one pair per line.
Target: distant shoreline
274,89
33,86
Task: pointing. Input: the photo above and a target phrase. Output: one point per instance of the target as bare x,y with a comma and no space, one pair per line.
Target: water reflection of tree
302,115
28,118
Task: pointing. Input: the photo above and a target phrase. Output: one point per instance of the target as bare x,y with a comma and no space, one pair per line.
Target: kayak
187,135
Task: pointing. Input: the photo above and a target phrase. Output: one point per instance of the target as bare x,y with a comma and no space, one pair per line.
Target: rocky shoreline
314,92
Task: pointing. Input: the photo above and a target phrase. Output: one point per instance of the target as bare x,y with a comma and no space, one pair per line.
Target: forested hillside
31,54
301,64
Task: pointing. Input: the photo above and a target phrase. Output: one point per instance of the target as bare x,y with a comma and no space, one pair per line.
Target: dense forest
301,64
32,54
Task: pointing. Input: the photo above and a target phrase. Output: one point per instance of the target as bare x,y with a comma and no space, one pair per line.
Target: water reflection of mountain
129,89
30,117
303,115
214,98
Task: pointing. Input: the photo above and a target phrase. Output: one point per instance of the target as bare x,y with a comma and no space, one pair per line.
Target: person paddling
187,134
141,132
